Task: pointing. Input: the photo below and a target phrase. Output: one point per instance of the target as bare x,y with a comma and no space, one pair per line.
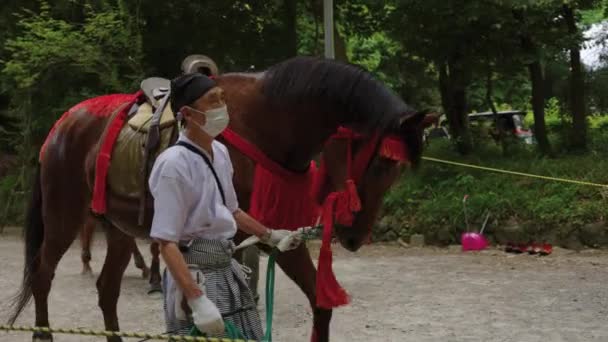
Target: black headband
188,88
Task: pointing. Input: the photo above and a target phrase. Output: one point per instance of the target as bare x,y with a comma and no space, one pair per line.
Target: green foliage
102,55
10,211
234,33
371,44
594,15
51,64
511,91
430,201
597,90
48,47
310,31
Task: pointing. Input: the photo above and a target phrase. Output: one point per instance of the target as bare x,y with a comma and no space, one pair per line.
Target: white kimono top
187,201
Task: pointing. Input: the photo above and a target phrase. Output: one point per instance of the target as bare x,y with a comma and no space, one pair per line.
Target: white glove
283,240
206,316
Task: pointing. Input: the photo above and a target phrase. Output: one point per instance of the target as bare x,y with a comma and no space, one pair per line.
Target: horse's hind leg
86,237
120,248
61,227
155,278
50,255
140,263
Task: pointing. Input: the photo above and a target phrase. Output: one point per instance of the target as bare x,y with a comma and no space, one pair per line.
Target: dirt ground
398,294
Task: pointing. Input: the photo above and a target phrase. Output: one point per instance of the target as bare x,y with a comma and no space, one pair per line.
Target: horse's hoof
145,273
42,337
155,288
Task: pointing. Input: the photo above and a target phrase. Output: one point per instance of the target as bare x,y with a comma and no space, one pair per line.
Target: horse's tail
33,235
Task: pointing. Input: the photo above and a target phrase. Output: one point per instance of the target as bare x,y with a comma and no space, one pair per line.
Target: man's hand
283,240
206,316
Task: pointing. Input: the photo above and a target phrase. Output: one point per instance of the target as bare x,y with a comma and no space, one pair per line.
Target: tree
532,23
236,34
454,37
52,64
571,15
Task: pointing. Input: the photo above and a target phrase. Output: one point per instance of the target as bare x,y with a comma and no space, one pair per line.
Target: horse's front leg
298,266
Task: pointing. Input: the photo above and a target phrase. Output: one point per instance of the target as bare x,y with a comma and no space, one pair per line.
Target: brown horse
289,112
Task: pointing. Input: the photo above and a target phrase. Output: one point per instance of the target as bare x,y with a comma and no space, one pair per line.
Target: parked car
512,122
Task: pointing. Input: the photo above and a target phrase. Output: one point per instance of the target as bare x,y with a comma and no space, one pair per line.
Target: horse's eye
381,166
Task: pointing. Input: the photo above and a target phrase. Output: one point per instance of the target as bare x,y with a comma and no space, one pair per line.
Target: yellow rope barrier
88,332
515,173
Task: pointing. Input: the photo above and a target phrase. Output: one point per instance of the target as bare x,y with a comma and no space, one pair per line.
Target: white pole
328,21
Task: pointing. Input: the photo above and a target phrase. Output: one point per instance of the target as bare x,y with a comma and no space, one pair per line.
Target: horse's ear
413,120
430,118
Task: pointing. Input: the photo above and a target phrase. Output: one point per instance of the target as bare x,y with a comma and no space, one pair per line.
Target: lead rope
270,294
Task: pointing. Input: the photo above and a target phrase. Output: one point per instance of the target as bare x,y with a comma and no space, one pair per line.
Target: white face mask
216,120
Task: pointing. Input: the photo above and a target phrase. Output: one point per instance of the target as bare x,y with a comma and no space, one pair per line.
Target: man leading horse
280,120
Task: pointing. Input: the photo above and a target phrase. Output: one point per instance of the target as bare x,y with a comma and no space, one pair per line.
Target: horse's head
362,168
379,133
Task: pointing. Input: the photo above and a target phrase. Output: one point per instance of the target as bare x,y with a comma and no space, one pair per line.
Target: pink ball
473,242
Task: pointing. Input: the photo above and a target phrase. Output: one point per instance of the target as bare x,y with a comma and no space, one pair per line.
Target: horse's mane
344,89
334,87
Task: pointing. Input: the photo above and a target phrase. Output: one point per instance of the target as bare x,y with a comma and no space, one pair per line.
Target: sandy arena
398,294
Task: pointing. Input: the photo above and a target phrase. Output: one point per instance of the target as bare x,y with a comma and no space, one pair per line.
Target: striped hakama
225,285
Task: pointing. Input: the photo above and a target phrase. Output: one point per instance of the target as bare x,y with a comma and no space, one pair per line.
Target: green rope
232,332
270,294
270,284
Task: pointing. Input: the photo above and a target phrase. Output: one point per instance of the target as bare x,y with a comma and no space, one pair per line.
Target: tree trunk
577,93
454,101
340,45
538,83
291,16
538,107
317,15
500,132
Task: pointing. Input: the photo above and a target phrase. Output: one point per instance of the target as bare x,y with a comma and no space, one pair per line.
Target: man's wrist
194,293
265,236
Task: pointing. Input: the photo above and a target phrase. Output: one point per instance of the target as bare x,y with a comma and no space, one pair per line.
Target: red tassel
354,202
329,292
393,148
342,212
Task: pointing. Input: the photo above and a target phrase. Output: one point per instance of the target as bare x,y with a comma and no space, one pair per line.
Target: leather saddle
151,128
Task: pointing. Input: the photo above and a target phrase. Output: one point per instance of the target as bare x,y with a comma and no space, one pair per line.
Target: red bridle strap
341,206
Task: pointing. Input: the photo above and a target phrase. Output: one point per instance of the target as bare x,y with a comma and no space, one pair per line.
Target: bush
429,201
11,201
